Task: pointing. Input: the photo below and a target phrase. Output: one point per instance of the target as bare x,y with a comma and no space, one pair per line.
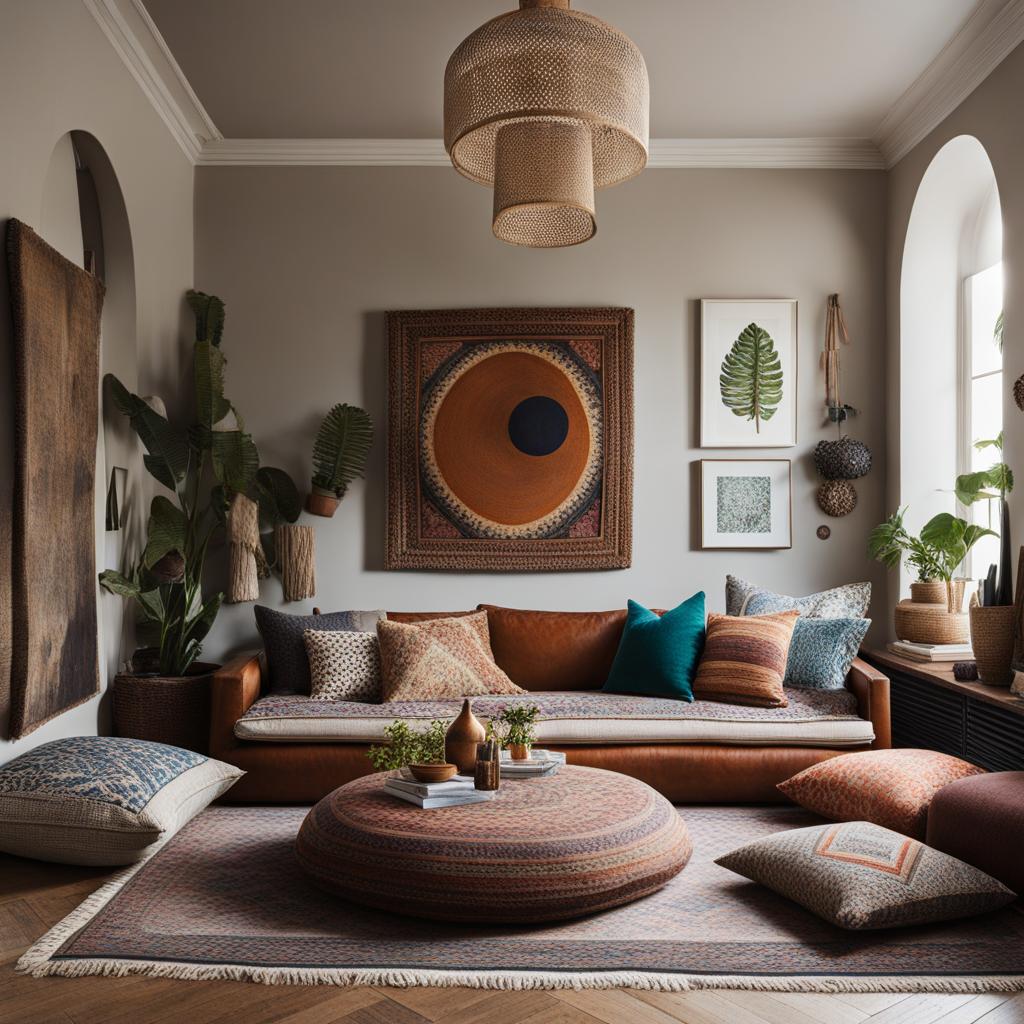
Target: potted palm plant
202,466
339,456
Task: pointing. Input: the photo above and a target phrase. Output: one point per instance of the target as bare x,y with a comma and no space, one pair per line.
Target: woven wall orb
549,64
837,498
845,459
1018,392
544,184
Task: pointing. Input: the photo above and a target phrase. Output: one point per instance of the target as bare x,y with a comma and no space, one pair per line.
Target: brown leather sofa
540,651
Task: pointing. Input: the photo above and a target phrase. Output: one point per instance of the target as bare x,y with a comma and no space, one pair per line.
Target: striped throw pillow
744,659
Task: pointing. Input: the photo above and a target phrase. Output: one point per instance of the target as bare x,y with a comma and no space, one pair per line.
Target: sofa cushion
283,642
812,718
822,651
744,659
102,799
892,788
343,665
858,875
449,657
412,618
541,650
658,655
849,601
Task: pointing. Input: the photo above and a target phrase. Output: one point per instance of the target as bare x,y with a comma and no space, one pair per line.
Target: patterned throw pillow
103,799
859,876
344,665
892,788
847,602
822,652
285,648
744,659
440,658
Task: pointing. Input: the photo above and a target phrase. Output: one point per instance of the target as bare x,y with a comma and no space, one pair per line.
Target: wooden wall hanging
511,440
56,308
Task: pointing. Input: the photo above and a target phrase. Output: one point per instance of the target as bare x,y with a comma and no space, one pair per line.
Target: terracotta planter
433,772
520,751
322,503
461,739
992,631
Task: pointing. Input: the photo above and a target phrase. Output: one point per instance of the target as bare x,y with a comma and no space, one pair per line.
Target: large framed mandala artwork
511,440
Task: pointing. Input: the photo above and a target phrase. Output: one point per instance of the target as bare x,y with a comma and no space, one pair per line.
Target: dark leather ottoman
980,820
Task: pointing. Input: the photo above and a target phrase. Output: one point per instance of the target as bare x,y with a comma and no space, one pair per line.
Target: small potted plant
340,452
518,721
421,752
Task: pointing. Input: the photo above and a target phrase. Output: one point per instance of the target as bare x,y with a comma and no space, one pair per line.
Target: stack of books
541,763
932,652
452,793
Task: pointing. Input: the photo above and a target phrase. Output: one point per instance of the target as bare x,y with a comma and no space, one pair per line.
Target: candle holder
487,774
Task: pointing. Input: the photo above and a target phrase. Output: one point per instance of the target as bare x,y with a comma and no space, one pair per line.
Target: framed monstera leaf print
748,373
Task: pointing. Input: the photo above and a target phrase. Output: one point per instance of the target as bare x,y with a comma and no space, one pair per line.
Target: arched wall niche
954,230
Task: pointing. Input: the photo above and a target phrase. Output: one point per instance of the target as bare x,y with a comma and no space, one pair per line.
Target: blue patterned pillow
103,799
850,601
822,651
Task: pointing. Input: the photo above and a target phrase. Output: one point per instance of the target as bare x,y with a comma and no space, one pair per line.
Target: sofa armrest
871,688
236,687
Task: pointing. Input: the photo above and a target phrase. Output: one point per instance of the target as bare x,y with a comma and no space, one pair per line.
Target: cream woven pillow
103,799
344,666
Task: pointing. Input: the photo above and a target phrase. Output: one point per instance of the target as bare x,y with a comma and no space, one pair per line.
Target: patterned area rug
225,899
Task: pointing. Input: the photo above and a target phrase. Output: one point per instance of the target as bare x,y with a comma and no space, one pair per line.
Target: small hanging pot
322,503
845,459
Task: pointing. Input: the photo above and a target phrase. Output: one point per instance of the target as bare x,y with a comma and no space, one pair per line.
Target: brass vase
461,739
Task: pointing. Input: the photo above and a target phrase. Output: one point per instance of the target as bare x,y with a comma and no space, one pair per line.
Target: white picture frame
746,504
722,323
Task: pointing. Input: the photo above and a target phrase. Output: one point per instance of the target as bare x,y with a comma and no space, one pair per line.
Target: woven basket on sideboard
926,618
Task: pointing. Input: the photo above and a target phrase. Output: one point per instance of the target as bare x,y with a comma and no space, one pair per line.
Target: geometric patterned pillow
850,601
822,652
438,659
344,666
858,875
744,659
892,788
103,799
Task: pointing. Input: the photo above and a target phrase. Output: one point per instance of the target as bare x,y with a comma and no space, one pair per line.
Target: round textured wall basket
845,459
837,498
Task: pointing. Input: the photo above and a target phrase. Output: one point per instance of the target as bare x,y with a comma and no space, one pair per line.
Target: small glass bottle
487,774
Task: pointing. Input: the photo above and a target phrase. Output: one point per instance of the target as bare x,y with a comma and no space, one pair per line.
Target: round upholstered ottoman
980,819
544,849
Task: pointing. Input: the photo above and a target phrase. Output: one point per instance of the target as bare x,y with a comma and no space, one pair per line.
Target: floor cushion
283,642
103,799
440,658
859,875
658,654
744,659
965,816
892,788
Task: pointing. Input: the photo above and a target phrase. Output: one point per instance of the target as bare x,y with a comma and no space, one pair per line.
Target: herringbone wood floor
35,896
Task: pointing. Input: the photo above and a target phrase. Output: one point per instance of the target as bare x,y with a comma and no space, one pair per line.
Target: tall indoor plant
203,465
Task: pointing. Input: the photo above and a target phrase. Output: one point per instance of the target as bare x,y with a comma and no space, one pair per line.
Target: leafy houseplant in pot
934,614
340,452
165,695
518,721
421,752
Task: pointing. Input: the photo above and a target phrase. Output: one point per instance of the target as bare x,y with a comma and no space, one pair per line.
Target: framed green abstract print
746,503
748,358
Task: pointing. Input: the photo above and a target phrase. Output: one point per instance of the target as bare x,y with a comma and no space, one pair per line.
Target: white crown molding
860,154
132,33
992,31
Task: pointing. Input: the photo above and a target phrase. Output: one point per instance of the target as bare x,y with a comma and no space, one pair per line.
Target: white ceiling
284,69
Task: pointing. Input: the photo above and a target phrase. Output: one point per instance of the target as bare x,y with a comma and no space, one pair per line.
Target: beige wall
309,259
992,115
59,73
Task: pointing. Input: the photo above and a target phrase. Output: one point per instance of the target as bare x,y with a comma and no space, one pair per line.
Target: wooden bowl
433,772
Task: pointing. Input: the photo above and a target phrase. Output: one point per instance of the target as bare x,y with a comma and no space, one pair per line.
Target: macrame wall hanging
247,564
296,558
844,459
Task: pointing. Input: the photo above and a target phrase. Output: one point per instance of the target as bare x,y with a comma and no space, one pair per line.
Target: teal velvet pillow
658,656
822,651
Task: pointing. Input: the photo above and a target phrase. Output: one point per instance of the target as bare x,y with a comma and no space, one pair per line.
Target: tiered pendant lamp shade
546,104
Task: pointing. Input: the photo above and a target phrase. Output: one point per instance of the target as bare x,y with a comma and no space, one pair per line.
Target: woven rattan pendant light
546,105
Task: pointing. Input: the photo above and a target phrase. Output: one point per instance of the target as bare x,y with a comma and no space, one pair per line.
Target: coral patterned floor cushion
892,788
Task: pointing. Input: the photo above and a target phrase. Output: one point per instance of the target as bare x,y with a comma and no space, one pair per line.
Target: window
981,397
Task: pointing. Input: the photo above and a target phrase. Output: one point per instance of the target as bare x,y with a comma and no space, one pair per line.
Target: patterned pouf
578,842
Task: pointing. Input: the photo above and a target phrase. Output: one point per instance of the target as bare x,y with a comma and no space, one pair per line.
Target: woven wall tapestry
511,439
56,310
